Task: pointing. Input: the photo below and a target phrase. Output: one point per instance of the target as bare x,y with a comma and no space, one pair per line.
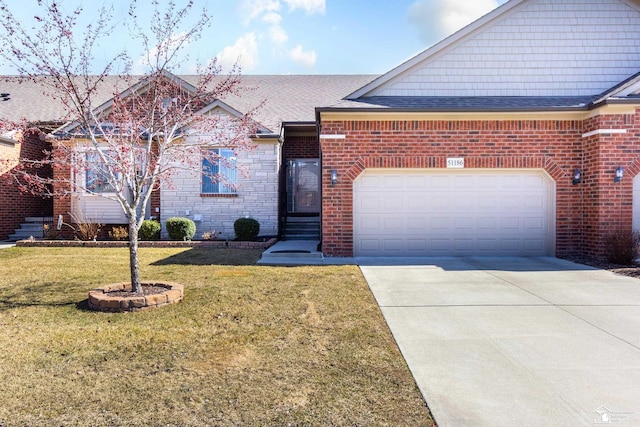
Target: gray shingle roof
468,103
287,97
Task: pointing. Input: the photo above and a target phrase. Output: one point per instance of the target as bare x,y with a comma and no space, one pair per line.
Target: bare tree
155,123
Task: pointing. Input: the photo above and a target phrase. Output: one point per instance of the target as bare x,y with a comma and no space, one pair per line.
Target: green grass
248,345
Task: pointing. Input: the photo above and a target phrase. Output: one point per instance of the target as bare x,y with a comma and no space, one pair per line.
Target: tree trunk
134,265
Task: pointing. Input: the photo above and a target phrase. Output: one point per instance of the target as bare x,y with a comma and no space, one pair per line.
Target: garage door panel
536,201
533,245
511,182
394,224
510,201
418,202
393,245
443,212
417,244
417,223
394,181
368,223
463,224
510,224
370,182
486,224
490,245
534,224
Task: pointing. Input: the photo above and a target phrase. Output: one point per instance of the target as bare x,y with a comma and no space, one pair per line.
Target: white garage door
402,212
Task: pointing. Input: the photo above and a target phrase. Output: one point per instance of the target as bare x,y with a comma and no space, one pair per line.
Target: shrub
246,228
622,246
181,228
150,230
210,235
119,233
85,228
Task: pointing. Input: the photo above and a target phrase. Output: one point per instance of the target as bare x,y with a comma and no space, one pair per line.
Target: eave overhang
626,105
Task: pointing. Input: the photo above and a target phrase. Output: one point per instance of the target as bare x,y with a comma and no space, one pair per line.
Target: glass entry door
303,186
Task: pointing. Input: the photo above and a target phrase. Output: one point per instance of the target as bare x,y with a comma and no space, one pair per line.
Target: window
97,175
219,172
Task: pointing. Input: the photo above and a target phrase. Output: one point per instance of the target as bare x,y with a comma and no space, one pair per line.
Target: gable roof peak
436,48
525,48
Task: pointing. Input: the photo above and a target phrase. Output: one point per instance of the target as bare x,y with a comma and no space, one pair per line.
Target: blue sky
307,36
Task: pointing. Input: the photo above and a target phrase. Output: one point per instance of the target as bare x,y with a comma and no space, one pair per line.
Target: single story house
517,135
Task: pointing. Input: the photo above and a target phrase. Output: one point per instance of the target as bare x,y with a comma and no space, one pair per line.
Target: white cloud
161,52
439,18
251,9
244,51
309,6
299,56
278,34
272,18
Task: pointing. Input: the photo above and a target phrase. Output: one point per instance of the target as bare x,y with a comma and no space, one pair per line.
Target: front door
303,186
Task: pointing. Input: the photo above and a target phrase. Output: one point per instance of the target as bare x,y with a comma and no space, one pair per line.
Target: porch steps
302,228
32,226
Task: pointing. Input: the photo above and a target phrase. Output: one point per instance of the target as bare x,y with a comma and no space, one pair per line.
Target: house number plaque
455,162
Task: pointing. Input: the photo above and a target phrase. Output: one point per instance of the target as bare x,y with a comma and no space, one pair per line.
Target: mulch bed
632,270
146,290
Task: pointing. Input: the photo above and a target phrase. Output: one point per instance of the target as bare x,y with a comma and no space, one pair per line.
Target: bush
246,228
150,230
181,228
622,246
119,233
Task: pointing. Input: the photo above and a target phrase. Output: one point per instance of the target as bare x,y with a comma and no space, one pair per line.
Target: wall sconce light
619,174
577,177
334,178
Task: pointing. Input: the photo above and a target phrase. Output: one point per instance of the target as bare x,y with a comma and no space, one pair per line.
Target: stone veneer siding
257,195
585,213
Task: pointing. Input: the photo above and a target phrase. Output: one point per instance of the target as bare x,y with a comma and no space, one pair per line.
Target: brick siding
301,147
16,205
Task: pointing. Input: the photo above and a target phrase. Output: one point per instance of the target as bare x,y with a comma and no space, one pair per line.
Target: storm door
303,186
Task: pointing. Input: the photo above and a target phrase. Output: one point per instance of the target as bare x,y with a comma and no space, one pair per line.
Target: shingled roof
287,98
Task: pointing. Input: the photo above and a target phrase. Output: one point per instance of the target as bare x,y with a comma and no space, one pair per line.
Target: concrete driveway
515,341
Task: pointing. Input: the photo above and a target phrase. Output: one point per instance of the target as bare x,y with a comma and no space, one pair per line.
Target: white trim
601,131
332,136
9,142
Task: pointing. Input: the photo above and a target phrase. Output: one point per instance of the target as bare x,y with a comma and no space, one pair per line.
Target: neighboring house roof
288,98
291,98
532,48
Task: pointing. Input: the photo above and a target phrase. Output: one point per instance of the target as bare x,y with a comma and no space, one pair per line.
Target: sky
298,36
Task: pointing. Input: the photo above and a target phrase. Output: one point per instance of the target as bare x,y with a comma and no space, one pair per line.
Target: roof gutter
9,142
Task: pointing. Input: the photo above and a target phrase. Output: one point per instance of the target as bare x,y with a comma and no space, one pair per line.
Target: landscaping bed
231,244
632,270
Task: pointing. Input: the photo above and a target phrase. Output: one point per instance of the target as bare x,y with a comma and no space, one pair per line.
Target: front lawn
248,345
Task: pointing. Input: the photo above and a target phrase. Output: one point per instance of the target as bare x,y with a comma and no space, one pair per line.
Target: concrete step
39,219
33,226
302,228
302,236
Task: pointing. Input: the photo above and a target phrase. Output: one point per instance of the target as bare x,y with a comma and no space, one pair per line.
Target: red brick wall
16,205
301,147
584,212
